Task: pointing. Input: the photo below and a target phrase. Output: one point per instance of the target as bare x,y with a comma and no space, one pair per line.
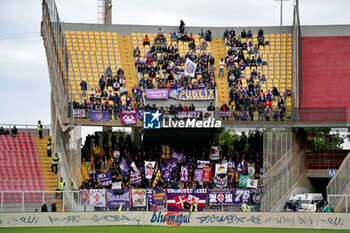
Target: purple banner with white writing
157,94
202,163
177,157
79,113
242,115
114,198
128,117
104,179
241,195
183,115
140,115
182,199
99,115
159,197
184,174
198,175
220,197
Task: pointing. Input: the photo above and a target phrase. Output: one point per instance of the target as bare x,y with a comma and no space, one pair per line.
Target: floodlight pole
281,10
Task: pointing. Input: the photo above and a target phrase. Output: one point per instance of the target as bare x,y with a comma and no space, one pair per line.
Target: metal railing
333,197
23,126
340,183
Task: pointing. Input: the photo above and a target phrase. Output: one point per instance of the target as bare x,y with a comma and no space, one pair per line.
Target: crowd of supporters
246,93
108,151
163,65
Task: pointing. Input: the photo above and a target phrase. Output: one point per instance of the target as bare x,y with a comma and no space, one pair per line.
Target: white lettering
199,124
191,123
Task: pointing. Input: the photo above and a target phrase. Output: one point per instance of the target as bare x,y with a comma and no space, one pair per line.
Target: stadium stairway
127,59
218,51
51,179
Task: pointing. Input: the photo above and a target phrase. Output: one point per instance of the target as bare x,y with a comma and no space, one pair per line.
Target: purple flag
149,197
99,115
177,157
220,181
157,94
241,195
184,174
115,199
124,166
165,153
104,179
128,117
135,177
166,172
220,197
243,115
140,114
198,174
233,177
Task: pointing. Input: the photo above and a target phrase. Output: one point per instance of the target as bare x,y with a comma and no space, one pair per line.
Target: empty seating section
91,53
278,56
20,167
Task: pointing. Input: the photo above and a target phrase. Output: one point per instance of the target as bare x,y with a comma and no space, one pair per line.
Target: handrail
23,126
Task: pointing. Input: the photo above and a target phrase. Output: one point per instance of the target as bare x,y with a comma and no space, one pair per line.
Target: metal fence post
346,204
22,201
2,201
63,192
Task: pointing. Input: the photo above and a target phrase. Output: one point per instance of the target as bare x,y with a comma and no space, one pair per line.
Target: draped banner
241,195
177,157
233,177
85,197
158,197
98,197
128,117
99,115
221,168
184,174
243,180
140,115
135,177
116,198
166,172
194,94
242,115
157,94
182,199
183,115
207,115
220,197
124,166
224,114
139,197
79,113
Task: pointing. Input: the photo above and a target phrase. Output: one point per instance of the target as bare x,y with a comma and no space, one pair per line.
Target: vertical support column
136,133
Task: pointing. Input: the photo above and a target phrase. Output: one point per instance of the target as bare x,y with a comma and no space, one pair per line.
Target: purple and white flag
99,115
202,163
104,179
166,172
214,153
198,174
124,166
177,157
220,182
128,117
241,195
157,94
135,177
184,174
149,169
219,197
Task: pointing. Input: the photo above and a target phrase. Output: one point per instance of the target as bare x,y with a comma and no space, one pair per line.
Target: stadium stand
20,166
275,69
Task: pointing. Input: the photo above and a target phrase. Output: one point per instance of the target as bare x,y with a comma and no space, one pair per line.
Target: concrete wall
230,219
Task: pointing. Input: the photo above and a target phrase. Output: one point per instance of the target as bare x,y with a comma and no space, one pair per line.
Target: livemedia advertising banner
114,198
182,199
104,179
128,117
157,94
220,197
184,115
195,94
99,115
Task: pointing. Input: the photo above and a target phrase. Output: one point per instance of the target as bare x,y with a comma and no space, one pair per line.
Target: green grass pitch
160,229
